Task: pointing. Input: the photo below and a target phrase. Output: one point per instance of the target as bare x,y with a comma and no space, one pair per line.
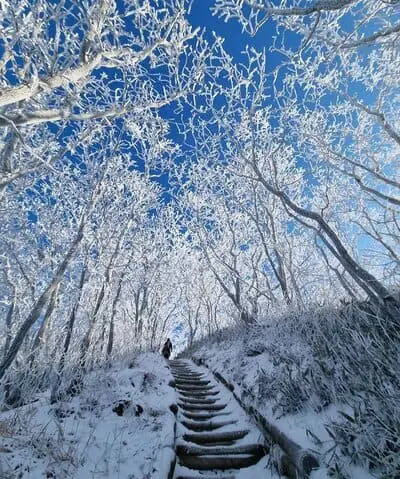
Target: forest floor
249,361
307,374
85,438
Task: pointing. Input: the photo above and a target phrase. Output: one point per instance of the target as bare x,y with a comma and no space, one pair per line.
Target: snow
228,357
83,438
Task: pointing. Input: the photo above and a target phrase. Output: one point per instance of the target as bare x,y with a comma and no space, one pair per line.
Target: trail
215,439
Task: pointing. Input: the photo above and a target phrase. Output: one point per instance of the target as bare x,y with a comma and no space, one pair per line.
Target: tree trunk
39,338
68,336
71,322
351,266
279,270
40,303
9,316
110,342
85,345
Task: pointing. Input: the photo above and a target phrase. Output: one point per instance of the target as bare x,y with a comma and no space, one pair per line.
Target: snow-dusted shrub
347,356
351,356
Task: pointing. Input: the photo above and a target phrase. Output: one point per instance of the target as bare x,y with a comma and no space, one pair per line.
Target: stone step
198,394
204,477
207,463
183,372
253,449
181,367
198,400
192,387
196,382
188,376
202,407
203,416
206,426
215,437
186,373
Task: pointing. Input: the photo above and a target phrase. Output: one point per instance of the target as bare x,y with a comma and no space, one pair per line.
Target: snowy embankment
325,378
120,426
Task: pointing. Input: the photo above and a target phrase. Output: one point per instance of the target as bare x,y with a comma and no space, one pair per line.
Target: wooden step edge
217,437
208,463
206,426
253,449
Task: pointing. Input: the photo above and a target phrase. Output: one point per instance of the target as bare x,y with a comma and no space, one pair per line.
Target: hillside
117,427
328,378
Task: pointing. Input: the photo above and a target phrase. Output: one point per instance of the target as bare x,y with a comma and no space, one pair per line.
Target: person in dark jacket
167,349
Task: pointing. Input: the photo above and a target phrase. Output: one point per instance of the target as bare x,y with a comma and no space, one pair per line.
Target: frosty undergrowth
313,360
114,428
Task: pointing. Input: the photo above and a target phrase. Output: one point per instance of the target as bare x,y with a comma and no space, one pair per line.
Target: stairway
215,438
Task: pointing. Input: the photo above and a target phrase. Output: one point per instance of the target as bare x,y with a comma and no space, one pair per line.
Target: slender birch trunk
358,273
40,304
110,342
39,338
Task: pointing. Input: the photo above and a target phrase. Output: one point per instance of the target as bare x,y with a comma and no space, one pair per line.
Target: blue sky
235,43
235,39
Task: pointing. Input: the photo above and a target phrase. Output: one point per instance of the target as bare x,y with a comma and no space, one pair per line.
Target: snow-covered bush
346,357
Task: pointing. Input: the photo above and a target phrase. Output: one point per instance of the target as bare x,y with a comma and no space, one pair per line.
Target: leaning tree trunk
11,309
85,345
110,342
39,305
358,273
39,338
68,336
72,318
9,316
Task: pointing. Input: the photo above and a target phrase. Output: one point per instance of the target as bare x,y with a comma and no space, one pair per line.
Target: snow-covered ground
309,375
245,361
85,437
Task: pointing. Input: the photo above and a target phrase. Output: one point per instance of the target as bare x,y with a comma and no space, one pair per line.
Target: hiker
167,349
